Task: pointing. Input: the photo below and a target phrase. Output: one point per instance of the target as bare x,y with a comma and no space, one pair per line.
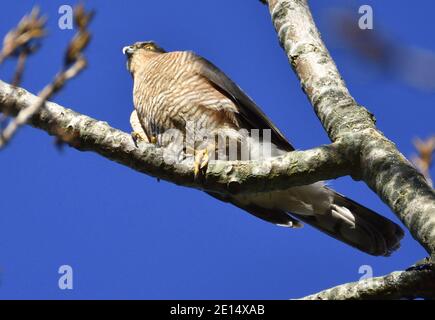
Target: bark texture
379,163
87,134
414,283
358,149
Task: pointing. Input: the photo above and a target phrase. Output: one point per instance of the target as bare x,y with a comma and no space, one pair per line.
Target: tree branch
385,170
359,149
49,90
413,283
87,134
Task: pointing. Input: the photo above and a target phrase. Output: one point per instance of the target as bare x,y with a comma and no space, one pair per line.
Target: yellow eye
149,47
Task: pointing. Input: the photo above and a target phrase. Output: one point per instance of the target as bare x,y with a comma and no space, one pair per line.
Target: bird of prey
175,90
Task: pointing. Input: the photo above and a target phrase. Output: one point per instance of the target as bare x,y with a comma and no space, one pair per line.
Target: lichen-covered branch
414,283
380,164
87,134
318,74
49,90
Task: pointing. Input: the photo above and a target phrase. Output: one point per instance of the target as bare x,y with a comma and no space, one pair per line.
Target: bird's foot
153,139
200,162
138,136
141,136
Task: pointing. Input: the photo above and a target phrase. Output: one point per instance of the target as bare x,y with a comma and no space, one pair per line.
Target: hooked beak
128,51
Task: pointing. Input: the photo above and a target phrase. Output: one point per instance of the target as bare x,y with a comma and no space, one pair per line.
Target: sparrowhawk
178,90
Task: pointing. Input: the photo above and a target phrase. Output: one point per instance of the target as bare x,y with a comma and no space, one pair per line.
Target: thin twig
21,41
22,38
44,95
19,69
74,63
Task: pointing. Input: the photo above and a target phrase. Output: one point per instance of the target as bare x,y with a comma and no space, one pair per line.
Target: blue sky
128,236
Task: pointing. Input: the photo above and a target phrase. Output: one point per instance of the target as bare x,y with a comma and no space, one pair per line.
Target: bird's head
140,52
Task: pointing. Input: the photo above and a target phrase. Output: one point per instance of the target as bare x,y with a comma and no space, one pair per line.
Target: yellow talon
153,139
136,136
205,159
196,170
201,161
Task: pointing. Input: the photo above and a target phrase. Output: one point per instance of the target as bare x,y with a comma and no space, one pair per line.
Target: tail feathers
357,226
326,210
275,216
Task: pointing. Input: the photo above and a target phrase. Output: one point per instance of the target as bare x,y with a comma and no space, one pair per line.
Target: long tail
357,226
328,211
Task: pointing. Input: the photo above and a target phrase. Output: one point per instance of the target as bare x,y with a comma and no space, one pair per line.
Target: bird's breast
170,94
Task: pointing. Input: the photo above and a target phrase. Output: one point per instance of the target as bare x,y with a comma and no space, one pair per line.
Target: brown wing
249,113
